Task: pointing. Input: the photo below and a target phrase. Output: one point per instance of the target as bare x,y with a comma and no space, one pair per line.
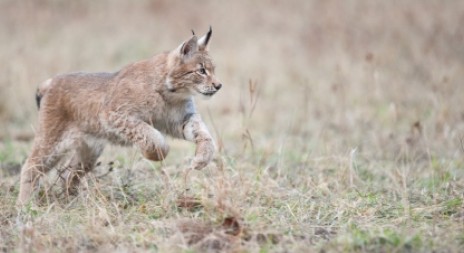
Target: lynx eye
202,71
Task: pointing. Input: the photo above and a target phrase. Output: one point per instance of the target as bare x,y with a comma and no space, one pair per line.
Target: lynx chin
138,105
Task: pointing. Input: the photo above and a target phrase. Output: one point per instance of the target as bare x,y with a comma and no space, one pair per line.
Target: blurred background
340,125
317,76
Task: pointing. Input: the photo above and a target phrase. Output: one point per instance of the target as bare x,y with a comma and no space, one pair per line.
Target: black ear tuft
193,32
38,97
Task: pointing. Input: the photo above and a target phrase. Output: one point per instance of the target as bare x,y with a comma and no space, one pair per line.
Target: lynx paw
157,154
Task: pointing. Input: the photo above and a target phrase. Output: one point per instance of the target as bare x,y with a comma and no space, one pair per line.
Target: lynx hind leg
44,156
82,161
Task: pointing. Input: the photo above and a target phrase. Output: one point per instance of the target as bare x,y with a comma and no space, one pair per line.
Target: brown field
340,128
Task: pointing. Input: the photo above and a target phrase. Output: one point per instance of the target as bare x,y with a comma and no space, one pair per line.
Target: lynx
138,105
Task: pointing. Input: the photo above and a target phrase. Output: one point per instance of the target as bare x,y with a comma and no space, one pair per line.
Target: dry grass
340,128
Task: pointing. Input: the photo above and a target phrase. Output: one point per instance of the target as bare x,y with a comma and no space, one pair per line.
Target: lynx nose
217,86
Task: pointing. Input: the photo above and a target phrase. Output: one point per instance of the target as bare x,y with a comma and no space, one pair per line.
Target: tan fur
137,105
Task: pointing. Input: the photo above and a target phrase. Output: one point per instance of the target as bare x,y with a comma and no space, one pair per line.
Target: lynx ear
203,41
189,47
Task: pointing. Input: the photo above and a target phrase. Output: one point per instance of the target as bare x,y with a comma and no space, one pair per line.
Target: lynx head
191,69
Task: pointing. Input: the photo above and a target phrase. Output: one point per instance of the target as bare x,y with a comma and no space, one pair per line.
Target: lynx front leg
195,130
150,141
